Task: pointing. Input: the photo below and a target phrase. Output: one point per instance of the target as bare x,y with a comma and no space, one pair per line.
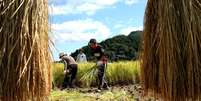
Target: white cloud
80,6
127,30
89,7
60,10
131,2
79,30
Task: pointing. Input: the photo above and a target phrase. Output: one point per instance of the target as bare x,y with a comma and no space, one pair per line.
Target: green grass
73,95
68,96
125,72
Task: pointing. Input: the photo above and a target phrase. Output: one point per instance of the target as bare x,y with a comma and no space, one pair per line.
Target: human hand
66,72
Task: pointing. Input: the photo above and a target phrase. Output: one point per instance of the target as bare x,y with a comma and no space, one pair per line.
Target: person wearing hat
70,70
99,53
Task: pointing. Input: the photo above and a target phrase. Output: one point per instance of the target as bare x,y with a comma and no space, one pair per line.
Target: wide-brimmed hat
61,54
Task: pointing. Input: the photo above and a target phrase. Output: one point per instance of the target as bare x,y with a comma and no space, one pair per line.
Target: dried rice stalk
24,51
171,62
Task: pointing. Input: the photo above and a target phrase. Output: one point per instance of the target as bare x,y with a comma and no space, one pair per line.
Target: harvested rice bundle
171,61
24,50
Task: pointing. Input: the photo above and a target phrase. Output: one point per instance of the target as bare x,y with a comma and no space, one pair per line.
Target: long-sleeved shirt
99,53
81,58
68,60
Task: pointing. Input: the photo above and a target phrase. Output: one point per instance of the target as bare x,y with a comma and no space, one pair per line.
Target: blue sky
74,22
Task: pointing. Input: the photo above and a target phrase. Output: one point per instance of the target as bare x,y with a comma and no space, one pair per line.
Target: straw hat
61,54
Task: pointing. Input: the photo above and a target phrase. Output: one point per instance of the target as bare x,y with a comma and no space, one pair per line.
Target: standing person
81,57
70,70
98,52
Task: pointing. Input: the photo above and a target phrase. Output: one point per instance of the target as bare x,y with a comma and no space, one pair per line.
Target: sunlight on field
118,73
124,72
70,95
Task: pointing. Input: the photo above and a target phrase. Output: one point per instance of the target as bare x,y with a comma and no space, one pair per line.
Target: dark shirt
98,52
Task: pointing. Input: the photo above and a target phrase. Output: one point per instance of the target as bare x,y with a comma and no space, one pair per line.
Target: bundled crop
89,75
171,61
24,50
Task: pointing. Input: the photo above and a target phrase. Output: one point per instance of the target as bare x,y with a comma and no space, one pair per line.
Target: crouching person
98,52
70,70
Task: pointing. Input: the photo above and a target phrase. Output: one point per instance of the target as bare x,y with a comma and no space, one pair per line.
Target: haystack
24,50
171,61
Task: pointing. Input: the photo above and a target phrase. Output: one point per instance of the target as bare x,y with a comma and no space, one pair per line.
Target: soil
134,92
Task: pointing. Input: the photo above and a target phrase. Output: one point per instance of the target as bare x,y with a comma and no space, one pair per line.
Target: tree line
120,47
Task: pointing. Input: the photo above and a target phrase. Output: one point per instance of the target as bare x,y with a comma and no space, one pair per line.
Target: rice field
122,77
117,73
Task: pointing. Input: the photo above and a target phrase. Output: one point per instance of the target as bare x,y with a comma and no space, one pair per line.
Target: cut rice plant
89,76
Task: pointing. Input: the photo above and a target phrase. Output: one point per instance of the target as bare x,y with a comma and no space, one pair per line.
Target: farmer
98,52
70,70
81,57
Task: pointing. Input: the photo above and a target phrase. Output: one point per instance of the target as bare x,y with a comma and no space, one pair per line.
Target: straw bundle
89,75
24,51
171,61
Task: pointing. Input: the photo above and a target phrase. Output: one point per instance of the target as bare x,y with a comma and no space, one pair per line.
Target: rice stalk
24,50
126,72
171,60
89,76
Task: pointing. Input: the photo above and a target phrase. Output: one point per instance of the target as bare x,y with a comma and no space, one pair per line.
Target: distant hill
120,47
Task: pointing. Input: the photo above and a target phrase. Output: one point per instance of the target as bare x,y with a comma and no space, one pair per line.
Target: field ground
124,73
115,93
